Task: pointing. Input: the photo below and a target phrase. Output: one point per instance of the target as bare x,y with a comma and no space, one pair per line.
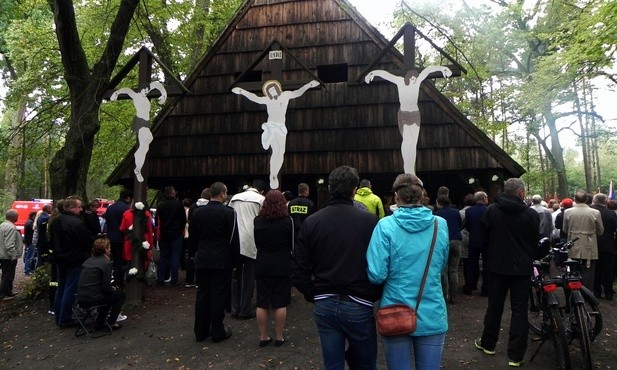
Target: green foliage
38,284
527,61
35,77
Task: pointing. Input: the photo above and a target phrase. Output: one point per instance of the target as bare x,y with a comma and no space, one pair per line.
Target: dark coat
215,229
95,279
606,241
28,231
511,231
330,252
113,218
171,218
299,209
453,219
473,218
72,241
274,241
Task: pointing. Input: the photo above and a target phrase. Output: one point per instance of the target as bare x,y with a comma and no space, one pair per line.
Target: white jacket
247,205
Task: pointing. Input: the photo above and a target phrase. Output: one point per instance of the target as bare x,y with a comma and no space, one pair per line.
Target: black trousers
118,263
603,277
8,276
519,287
243,288
471,271
212,296
113,301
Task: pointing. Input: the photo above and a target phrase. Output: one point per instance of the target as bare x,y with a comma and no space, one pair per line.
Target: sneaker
168,280
189,285
121,317
51,312
478,344
512,363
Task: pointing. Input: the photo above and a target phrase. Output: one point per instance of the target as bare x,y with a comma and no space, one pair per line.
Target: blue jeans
28,256
169,262
424,351
339,321
68,278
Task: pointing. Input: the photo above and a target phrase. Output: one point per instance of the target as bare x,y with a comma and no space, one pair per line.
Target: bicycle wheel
583,337
595,317
560,341
536,314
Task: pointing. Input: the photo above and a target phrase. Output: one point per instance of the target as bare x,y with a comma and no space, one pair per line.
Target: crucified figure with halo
141,122
409,113
275,131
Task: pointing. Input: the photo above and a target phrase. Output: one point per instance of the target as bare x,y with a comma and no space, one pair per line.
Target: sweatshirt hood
510,203
413,219
364,191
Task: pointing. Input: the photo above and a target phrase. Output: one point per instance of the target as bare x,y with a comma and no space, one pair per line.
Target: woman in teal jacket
397,255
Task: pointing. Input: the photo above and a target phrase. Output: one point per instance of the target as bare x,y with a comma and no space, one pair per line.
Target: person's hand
369,77
236,90
314,83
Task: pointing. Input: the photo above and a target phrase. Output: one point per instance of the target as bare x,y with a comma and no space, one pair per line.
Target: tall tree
527,48
86,85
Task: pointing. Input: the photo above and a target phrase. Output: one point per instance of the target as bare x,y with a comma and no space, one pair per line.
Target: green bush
38,283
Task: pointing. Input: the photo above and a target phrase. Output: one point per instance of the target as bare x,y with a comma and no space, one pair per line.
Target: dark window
252,76
332,73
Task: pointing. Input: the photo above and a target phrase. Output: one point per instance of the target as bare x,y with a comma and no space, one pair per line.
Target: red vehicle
24,207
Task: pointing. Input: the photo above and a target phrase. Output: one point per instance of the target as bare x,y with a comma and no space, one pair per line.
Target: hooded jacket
397,255
510,232
371,201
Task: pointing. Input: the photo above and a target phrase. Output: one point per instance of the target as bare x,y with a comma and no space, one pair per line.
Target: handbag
400,319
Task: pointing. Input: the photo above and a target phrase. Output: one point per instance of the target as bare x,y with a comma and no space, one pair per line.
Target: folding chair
86,317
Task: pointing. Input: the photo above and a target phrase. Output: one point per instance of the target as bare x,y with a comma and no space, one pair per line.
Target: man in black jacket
510,233
171,221
329,268
72,243
215,229
113,218
301,207
607,249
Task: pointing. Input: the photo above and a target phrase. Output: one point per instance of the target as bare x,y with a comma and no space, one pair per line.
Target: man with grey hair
607,249
471,271
546,221
510,233
585,223
10,250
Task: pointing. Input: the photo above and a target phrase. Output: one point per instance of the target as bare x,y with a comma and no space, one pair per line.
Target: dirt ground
159,335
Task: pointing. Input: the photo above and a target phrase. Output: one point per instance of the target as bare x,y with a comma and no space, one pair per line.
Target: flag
611,192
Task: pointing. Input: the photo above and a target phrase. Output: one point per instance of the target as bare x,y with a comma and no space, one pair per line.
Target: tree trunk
86,83
555,155
69,166
15,157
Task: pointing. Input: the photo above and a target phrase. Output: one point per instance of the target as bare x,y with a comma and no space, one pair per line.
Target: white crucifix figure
274,130
409,113
141,122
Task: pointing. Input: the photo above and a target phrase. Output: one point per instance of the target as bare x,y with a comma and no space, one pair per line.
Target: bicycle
546,318
585,319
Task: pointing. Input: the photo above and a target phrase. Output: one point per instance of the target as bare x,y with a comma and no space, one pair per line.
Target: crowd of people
352,256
